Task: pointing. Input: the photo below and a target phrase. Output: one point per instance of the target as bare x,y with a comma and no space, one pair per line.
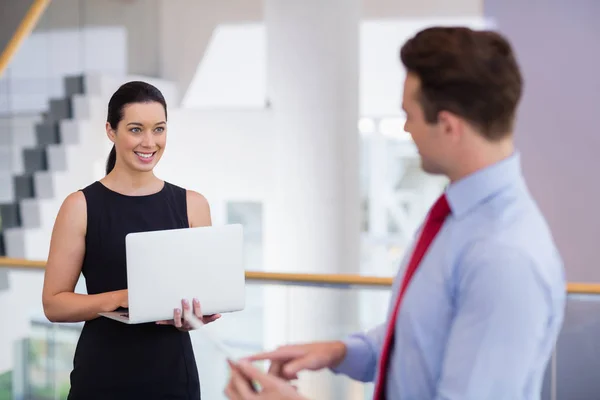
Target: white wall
557,129
186,27
423,8
221,154
233,71
196,20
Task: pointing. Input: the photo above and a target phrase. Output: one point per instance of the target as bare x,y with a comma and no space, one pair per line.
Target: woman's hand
179,322
120,299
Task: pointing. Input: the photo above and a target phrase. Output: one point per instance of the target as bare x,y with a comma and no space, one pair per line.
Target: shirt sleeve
503,309
362,354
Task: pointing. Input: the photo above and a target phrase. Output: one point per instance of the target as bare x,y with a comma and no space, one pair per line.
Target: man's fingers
275,368
280,360
291,369
254,374
241,381
231,392
281,354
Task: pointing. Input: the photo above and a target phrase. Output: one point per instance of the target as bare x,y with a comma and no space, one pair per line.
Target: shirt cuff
360,359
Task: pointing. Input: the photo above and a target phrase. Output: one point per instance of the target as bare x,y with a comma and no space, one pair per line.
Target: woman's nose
148,140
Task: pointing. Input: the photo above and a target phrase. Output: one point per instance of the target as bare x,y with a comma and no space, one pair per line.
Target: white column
312,216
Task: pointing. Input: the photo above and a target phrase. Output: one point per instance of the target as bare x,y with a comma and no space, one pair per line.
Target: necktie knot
440,209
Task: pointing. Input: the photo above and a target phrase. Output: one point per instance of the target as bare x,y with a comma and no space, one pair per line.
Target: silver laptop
164,267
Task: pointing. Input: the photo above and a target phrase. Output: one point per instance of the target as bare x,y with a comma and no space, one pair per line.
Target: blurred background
286,116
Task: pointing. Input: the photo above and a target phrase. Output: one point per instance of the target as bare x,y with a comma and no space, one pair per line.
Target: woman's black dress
114,360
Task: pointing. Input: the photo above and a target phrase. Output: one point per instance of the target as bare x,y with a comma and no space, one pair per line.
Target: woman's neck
132,183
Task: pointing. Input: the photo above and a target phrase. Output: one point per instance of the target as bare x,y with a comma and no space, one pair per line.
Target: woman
115,360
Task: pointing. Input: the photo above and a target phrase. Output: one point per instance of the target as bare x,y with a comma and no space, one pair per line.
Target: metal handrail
24,29
285,278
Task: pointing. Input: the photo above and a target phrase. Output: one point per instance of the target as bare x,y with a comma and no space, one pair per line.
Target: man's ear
110,133
451,125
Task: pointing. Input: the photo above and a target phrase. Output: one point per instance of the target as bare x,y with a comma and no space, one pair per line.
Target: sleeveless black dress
115,360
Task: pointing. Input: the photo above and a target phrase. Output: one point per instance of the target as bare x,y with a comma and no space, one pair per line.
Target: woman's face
141,136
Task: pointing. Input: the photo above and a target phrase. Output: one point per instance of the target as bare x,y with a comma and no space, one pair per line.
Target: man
479,300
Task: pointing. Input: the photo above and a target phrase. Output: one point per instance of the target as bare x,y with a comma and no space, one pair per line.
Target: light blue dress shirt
483,311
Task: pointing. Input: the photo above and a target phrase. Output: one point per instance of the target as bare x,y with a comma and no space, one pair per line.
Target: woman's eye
136,130
160,129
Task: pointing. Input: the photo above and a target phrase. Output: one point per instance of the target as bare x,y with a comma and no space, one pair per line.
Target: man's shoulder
510,217
511,224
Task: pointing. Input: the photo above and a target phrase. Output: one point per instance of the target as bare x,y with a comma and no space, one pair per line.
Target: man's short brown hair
473,74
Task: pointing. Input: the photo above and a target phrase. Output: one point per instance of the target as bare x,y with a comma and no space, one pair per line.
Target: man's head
460,96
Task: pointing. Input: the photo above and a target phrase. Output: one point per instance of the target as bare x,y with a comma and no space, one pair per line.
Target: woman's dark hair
128,93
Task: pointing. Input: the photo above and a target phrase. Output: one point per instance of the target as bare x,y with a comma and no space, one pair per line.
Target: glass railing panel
277,315
578,350
41,355
43,361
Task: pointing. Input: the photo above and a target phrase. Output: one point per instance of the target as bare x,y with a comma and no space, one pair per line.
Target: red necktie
435,220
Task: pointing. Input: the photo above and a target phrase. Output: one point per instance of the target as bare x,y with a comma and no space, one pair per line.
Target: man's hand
179,322
240,385
287,361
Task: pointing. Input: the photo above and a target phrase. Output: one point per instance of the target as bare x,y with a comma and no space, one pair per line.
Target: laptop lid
164,267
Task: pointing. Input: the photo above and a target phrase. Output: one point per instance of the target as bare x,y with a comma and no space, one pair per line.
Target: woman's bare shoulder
198,209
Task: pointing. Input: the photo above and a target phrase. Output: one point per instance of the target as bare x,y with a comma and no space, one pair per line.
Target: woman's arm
67,249
198,210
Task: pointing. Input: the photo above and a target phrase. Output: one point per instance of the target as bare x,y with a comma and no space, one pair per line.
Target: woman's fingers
211,318
179,315
197,309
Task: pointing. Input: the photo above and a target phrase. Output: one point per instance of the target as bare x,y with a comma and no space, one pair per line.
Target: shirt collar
467,193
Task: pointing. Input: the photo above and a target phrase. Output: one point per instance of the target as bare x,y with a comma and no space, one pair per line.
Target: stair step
23,186
11,159
59,109
30,213
10,216
7,188
18,131
47,133
43,184
35,160
74,85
